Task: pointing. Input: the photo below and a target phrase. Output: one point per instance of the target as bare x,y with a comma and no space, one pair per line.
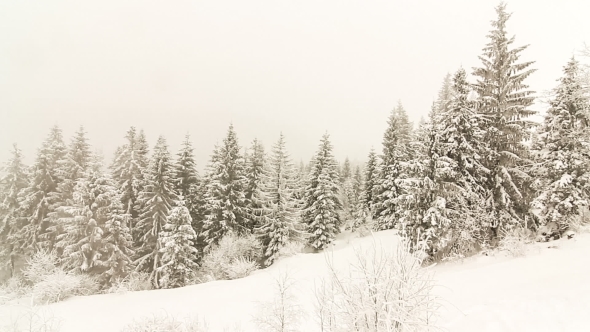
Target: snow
546,290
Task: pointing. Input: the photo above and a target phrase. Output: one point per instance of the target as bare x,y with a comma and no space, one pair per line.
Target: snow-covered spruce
563,151
177,249
279,212
322,206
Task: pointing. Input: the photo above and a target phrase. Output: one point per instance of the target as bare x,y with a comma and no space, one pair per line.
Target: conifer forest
482,169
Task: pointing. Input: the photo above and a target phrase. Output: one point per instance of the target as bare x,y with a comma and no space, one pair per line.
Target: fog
300,67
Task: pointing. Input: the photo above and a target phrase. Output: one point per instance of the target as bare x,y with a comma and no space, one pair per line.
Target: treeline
477,169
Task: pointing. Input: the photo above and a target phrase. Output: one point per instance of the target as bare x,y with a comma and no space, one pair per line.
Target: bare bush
283,313
61,285
234,257
34,319
135,281
291,248
167,323
514,241
383,291
41,264
13,288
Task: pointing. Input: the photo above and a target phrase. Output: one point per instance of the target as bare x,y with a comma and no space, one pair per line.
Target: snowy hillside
547,290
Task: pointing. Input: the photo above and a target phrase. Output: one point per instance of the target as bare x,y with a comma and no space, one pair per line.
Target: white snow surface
546,290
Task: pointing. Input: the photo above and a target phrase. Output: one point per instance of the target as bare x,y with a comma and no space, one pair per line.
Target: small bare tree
383,292
283,313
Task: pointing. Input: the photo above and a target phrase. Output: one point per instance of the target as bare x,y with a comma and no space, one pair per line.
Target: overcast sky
301,67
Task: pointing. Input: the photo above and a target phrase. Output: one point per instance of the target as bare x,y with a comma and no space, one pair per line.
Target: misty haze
327,166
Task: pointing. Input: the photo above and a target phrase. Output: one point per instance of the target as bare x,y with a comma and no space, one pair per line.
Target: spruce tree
321,203
128,171
95,236
504,99
225,199
177,249
564,151
186,180
359,213
279,214
14,180
370,188
156,200
31,224
394,160
255,161
346,171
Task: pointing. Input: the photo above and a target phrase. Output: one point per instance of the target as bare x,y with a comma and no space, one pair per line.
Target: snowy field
547,290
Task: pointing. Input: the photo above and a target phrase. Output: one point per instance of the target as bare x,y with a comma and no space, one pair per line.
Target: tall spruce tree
564,150
279,214
178,250
14,180
156,200
504,101
95,235
225,199
372,172
31,224
321,203
128,171
395,156
255,161
186,182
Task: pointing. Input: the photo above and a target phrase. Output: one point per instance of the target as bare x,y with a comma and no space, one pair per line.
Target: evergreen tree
177,249
346,171
31,224
504,101
372,173
128,171
254,167
226,192
15,179
359,213
186,180
72,168
395,156
563,171
321,204
279,215
156,200
95,237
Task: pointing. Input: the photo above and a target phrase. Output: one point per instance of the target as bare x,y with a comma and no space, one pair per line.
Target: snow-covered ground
547,290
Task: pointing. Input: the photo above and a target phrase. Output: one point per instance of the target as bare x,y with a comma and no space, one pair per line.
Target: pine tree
156,200
393,168
31,224
372,172
255,161
359,213
95,237
186,180
503,100
563,171
75,165
226,192
322,206
279,214
15,179
128,171
177,249
346,171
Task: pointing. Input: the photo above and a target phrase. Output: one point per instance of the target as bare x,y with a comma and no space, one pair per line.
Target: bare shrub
13,288
240,268
41,264
167,323
34,319
514,241
234,257
291,248
283,313
383,291
61,285
135,281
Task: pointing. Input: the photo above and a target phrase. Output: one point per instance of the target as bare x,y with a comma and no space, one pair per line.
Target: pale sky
301,67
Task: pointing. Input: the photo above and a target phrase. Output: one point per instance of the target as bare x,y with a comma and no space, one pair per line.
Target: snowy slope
548,290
